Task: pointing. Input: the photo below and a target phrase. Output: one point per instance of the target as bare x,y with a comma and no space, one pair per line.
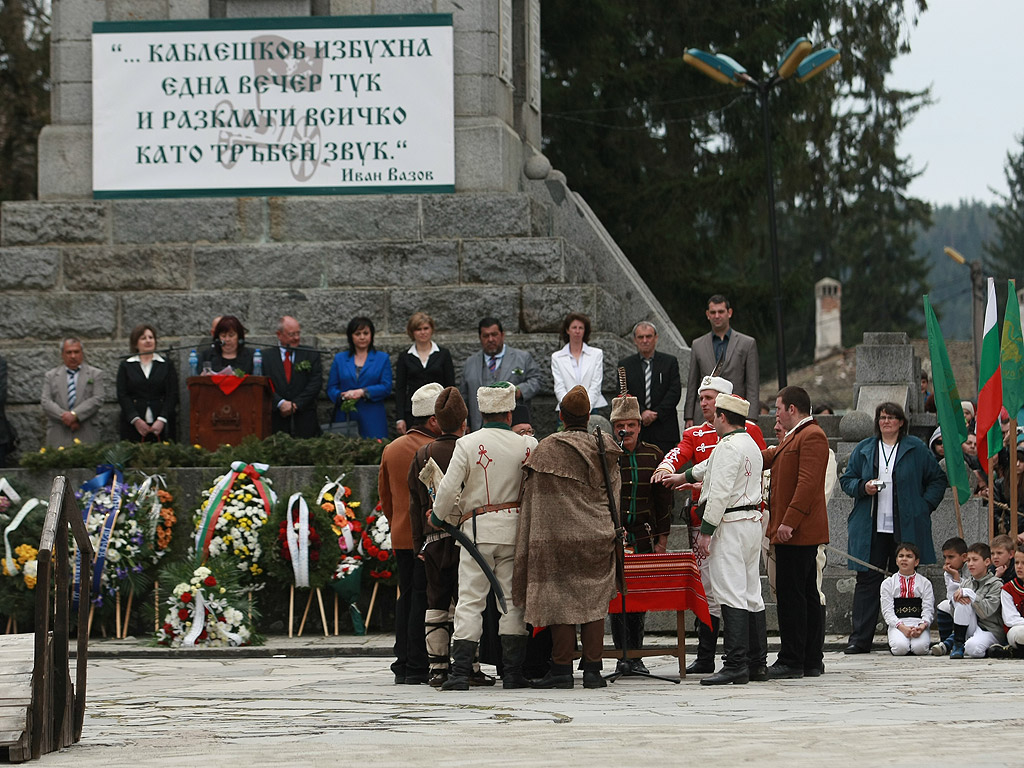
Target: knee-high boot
757,647
438,639
707,639
735,636
463,652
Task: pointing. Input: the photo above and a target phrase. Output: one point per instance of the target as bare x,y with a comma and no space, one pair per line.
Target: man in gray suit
72,395
497,362
737,350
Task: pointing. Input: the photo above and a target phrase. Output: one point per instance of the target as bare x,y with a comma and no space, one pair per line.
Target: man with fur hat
696,446
436,548
565,550
730,533
410,665
482,491
645,507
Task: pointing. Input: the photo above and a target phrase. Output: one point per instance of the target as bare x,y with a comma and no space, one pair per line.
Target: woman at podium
229,347
147,390
363,374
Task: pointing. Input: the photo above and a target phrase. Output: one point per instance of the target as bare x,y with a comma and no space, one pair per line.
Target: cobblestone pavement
866,711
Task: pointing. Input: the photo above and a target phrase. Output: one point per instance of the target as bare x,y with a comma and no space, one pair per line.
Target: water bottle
257,363
193,363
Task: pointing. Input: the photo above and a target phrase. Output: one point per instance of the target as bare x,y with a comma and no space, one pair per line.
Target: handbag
346,428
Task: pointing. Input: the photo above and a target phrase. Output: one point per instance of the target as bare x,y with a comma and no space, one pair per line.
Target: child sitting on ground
1002,557
908,604
1012,600
977,607
954,570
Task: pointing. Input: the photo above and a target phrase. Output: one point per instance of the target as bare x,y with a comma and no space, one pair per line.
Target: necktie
492,364
288,365
647,385
71,389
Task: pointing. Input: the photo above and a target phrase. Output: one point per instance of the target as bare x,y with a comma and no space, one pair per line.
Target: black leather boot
592,677
707,639
513,653
735,636
463,652
558,676
757,646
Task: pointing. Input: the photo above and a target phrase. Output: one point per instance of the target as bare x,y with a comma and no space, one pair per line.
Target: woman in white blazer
578,362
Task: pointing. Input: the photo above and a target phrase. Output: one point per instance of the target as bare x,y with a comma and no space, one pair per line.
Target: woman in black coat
423,363
229,349
147,390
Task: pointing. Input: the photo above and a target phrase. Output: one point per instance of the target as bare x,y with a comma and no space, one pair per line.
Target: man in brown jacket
410,665
798,531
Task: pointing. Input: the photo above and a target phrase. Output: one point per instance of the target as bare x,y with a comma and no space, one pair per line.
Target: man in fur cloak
565,548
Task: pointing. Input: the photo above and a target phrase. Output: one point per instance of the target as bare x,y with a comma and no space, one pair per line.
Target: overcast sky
961,141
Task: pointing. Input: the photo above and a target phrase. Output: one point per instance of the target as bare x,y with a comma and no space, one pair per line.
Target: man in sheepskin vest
565,550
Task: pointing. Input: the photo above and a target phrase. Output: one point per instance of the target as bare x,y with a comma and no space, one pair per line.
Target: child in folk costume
908,604
977,607
1012,604
954,570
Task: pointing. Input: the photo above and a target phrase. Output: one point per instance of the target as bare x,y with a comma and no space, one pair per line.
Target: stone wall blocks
513,260
136,10
579,266
384,264
186,220
478,215
35,223
186,315
73,21
321,312
362,217
22,268
545,307
127,268
476,52
71,61
71,103
53,315
288,265
456,309
404,6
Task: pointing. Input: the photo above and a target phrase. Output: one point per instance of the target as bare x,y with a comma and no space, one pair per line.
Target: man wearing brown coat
798,531
410,665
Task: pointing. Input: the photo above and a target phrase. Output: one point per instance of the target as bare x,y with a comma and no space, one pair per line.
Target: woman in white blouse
578,362
147,390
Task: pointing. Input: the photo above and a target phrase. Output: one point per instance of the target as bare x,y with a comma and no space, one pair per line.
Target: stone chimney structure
828,327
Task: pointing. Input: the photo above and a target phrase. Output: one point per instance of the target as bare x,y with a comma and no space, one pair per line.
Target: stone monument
513,241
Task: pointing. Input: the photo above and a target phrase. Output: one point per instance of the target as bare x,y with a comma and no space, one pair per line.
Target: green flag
947,406
1011,354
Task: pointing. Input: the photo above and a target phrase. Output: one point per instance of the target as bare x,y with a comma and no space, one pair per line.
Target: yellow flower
197,446
3,563
30,581
43,449
353,504
60,447
77,441
329,497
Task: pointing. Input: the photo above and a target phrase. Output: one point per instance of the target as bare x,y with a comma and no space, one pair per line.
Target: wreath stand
305,613
373,599
12,626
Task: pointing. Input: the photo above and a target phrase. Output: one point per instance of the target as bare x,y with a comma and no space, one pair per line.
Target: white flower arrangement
223,625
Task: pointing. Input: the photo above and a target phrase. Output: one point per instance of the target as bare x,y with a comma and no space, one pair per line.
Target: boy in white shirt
954,570
908,604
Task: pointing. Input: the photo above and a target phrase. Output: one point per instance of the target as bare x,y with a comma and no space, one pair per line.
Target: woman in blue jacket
896,484
362,373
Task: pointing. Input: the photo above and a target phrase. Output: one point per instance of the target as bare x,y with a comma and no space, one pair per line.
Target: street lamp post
797,60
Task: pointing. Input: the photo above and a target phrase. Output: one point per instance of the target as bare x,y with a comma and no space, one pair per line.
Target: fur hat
716,383
575,406
733,403
625,408
450,410
423,399
499,397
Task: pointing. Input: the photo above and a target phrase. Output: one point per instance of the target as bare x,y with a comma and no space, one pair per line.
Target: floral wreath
229,520
376,546
21,523
205,608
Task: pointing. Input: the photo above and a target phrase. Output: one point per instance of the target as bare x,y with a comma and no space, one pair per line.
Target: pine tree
1005,254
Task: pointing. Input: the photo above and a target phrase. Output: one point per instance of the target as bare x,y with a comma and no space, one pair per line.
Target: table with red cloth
668,581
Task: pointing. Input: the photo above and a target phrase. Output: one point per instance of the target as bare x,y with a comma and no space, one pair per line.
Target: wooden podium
216,418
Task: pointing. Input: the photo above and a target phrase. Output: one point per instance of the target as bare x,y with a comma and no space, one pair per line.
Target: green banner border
129,194
286,22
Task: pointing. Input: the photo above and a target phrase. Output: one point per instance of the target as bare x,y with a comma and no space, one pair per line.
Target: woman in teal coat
896,484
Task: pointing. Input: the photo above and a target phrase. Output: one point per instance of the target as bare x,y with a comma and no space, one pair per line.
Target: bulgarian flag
990,386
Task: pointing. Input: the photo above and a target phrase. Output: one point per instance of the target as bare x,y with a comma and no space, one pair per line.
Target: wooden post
127,615
959,517
323,616
117,614
291,610
373,599
991,499
305,613
335,614
156,606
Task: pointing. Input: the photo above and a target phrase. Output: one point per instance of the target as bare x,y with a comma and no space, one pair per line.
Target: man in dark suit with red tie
297,376
653,379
